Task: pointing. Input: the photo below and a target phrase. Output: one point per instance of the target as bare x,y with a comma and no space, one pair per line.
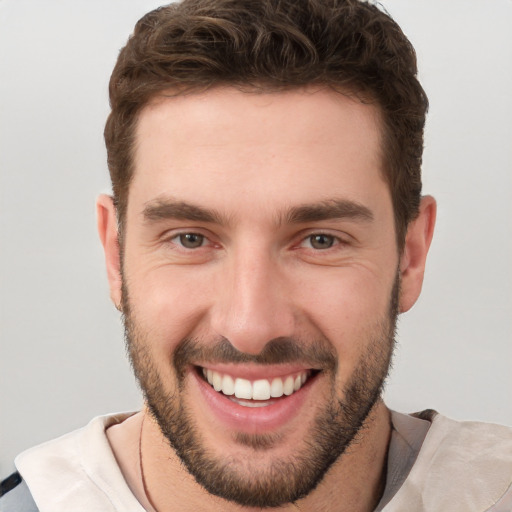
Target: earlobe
414,254
107,230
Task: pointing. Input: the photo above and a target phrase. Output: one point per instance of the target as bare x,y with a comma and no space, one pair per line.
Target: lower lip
254,420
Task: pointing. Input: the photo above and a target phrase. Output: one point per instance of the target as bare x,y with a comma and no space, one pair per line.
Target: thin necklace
141,468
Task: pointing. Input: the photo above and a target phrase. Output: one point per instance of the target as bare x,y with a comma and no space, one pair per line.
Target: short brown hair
271,45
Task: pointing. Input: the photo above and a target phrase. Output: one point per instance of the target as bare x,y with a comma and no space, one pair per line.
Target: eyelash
334,240
177,239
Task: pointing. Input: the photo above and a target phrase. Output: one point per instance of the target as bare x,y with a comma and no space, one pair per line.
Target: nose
253,305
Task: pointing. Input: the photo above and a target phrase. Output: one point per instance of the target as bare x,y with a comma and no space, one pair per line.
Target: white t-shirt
434,465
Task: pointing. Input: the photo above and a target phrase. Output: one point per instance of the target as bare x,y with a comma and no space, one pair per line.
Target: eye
321,241
189,240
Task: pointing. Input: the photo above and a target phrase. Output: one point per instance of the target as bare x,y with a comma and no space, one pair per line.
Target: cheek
169,304
347,307
342,305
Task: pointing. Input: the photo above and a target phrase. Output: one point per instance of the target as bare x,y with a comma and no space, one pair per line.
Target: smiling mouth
256,393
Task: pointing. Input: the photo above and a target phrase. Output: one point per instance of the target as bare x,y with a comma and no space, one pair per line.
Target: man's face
260,259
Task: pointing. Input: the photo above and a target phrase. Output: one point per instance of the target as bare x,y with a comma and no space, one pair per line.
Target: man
266,229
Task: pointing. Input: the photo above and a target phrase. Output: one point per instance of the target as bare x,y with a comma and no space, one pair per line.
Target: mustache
318,354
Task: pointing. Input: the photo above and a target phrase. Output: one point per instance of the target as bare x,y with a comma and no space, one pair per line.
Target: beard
335,427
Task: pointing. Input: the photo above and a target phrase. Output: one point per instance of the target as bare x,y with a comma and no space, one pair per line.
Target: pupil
191,240
322,241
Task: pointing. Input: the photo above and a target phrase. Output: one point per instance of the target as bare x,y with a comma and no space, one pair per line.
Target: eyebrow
162,209
329,210
169,208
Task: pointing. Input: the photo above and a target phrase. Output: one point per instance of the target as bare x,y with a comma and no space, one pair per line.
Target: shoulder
15,495
77,471
462,465
469,446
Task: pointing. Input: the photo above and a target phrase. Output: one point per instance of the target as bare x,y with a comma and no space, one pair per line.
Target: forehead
225,142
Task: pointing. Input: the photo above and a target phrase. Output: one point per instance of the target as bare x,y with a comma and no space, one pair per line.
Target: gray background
61,344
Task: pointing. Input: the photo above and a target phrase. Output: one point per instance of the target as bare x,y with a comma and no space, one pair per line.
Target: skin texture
266,171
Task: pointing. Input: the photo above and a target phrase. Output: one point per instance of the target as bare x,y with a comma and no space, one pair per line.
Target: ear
107,229
414,255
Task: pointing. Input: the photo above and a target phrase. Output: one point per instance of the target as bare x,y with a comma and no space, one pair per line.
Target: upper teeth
262,389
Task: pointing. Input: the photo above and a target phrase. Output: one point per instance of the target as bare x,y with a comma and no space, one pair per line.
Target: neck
354,483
